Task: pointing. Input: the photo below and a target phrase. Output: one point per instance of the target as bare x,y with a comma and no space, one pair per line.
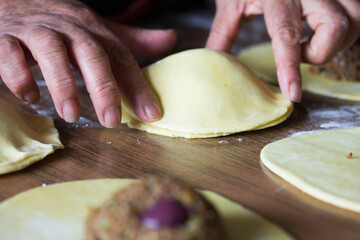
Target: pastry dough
206,93
24,138
59,212
260,59
319,165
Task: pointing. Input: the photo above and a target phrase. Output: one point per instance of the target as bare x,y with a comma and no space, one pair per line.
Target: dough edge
312,83
303,185
284,106
223,204
50,138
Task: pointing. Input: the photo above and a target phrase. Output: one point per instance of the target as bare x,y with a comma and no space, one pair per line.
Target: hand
56,33
336,24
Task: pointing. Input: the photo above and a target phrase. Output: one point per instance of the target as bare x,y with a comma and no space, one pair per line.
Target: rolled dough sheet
260,59
59,212
24,138
206,93
318,164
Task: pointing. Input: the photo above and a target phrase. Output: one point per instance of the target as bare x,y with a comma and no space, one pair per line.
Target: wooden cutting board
227,165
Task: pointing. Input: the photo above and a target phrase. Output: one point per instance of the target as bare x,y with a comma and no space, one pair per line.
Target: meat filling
344,66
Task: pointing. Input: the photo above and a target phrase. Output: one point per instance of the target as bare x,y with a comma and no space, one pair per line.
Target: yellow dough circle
320,165
24,138
260,59
206,93
59,212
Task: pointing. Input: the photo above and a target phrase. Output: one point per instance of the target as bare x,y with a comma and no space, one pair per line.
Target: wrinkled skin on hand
336,24
56,33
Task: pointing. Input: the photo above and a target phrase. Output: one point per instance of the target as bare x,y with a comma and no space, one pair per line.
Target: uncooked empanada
24,138
207,93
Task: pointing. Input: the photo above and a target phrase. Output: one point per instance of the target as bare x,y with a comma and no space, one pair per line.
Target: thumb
144,44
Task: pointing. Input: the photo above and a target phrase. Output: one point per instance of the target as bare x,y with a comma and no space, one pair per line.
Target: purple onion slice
165,213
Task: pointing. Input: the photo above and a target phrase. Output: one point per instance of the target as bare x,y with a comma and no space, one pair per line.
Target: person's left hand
55,33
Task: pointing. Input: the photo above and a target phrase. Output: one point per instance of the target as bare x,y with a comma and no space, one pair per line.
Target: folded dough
319,164
59,212
206,93
260,59
24,138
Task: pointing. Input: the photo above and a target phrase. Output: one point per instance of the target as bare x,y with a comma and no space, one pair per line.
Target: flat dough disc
24,138
317,164
59,212
206,93
260,59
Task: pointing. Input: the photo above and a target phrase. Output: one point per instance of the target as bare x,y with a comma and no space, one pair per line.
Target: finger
95,68
129,77
331,25
15,72
226,25
144,44
283,21
133,84
352,10
49,50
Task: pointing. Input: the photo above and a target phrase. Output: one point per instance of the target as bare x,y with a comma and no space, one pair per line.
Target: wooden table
228,165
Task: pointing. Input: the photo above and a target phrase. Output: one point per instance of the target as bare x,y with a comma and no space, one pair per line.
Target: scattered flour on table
85,123
331,118
223,142
42,110
332,113
338,118
337,125
81,123
304,132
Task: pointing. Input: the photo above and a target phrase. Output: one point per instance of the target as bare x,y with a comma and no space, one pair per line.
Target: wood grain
227,165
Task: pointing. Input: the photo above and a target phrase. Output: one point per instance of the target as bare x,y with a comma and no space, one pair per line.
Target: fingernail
112,117
70,111
153,111
295,91
31,97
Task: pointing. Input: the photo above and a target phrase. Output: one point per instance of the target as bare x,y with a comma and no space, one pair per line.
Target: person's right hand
56,33
336,24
